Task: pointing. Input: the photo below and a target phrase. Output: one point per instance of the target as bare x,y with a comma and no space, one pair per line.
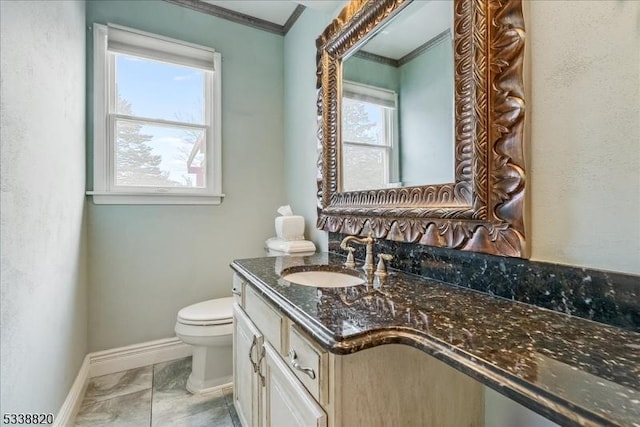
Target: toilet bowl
208,327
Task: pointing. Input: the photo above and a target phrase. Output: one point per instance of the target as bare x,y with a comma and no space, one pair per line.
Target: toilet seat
212,312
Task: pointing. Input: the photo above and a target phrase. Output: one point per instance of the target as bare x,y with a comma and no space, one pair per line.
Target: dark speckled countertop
571,370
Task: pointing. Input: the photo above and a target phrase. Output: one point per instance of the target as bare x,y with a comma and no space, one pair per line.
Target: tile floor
154,396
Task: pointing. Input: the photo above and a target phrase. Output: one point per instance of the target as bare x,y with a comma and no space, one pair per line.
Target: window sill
154,199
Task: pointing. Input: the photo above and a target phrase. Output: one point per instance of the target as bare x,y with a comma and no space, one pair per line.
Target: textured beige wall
584,109
42,133
584,137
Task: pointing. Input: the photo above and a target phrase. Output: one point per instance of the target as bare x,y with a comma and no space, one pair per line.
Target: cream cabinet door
247,387
287,402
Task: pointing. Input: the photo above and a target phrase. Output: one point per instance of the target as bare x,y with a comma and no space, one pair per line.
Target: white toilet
208,327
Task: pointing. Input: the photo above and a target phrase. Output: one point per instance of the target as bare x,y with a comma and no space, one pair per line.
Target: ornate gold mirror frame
483,210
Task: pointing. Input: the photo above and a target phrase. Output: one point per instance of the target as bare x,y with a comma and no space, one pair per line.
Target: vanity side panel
397,385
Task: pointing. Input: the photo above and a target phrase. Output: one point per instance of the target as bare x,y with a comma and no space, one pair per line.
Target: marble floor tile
129,410
202,410
173,405
157,396
118,384
227,392
171,376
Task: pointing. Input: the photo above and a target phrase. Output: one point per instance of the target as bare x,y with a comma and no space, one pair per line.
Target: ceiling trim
408,57
241,18
427,45
376,58
293,18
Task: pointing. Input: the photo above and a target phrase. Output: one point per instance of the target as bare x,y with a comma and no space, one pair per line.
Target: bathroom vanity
283,377
408,350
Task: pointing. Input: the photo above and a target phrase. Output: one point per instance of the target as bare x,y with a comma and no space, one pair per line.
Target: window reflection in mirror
398,103
369,137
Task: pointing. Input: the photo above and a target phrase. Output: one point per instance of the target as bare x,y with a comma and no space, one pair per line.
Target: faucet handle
350,262
381,269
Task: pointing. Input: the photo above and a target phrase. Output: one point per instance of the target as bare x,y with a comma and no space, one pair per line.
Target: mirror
481,206
397,102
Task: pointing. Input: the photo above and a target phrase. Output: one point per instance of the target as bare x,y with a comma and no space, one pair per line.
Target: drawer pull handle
294,362
259,364
253,344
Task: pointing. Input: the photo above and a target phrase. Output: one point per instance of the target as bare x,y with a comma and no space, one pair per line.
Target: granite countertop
571,370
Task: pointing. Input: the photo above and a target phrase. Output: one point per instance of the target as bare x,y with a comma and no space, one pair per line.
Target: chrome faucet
368,260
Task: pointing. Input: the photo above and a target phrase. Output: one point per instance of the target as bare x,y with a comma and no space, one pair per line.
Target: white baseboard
137,355
71,405
117,360
228,382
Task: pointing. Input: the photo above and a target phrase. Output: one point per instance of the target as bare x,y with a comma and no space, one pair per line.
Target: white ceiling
324,5
276,11
420,22
269,10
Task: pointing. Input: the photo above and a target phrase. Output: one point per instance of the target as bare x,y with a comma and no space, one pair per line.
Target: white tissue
285,210
289,227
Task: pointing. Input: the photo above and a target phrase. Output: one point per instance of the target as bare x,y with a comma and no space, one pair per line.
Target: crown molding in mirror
483,210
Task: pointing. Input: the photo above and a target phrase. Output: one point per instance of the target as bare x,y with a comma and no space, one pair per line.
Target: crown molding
241,18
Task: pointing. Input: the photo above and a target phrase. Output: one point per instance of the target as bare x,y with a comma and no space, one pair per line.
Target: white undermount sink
323,279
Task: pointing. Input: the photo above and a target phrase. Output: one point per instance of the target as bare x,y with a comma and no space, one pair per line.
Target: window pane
159,156
363,122
159,90
364,168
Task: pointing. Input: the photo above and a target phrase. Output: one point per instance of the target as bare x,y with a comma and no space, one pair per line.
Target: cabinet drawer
267,319
309,363
287,403
238,284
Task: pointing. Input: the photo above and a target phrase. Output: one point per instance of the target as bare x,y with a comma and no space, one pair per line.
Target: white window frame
384,98
111,39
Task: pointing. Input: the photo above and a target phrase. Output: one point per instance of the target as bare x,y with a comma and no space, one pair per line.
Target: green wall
371,73
301,126
147,262
426,111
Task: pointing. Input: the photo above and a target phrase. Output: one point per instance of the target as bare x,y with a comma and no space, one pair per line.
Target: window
156,120
369,154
